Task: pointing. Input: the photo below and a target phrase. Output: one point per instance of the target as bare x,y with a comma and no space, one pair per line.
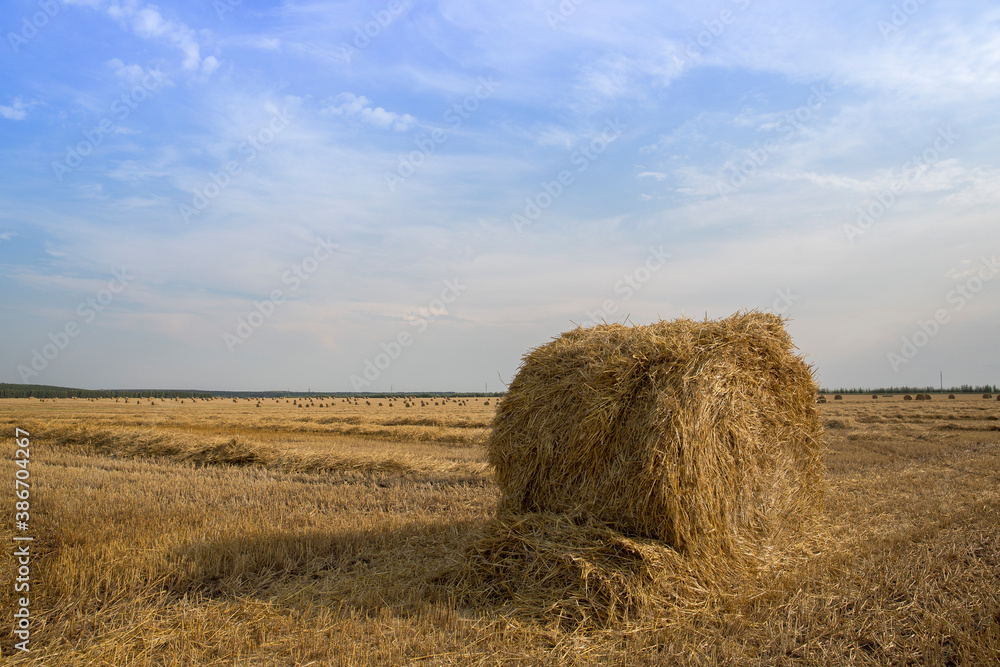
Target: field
223,533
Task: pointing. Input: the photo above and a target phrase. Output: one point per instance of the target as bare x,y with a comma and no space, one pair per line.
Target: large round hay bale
699,434
907,397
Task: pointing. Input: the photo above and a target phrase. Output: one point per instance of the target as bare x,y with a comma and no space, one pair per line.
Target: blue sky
358,196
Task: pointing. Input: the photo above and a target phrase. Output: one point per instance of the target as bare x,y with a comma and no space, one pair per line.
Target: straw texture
703,435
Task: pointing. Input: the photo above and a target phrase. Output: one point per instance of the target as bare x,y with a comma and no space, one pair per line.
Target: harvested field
220,533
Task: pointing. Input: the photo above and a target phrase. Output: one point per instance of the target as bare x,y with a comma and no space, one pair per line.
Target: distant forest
47,391
964,389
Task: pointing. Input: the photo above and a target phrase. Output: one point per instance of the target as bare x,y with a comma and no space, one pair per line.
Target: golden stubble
220,533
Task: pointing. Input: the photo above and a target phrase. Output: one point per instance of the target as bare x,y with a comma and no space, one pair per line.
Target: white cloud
148,22
209,65
833,181
979,186
349,104
16,111
263,43
128,73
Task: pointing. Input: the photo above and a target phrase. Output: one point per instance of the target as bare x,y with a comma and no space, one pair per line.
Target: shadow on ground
401,568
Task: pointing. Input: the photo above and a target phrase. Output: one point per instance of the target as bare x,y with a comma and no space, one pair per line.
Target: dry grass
153,548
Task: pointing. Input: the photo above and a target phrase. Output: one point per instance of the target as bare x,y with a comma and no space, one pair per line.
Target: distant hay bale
703,435
927,397
907,397
987,395
821,399
838,397
951,395
875,396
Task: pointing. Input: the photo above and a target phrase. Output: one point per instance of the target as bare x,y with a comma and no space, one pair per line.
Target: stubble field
223,533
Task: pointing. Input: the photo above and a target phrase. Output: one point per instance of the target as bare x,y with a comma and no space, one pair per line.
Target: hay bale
907,397
951,395
875,396
987,395
821,399
838,397
703,435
